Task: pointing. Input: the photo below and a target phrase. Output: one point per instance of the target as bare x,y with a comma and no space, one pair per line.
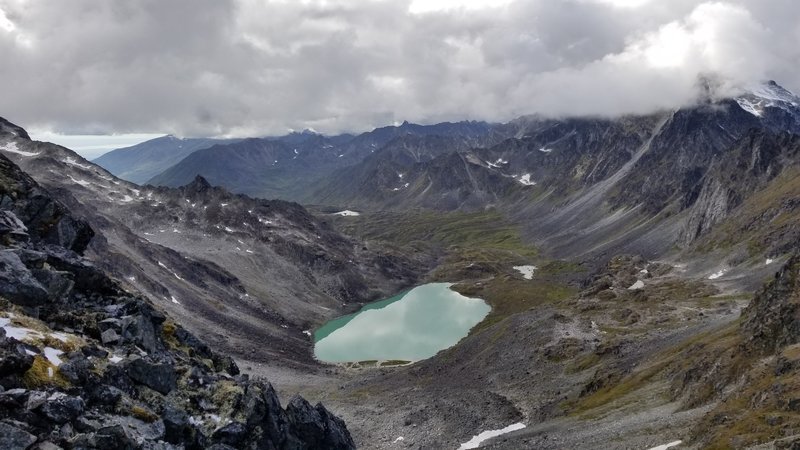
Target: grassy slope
478,250
443,231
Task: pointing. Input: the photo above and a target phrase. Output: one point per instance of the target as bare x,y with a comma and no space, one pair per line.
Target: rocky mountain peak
756,99
7,127
199,185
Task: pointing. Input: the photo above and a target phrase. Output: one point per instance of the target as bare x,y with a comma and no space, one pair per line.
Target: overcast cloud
253,67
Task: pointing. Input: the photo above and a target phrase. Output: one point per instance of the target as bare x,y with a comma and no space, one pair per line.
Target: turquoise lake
410,326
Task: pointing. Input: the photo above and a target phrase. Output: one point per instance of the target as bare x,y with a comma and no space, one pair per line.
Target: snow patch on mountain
526,180
667,446
526,271
74,162
175,274
497,164
11,147
52,355
636,286
478,439
79,181
716,274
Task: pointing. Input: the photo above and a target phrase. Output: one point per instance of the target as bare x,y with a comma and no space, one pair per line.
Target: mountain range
662,306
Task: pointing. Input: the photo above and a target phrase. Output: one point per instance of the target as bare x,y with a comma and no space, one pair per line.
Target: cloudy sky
258,67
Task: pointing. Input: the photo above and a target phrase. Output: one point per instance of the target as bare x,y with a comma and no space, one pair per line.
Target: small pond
410,326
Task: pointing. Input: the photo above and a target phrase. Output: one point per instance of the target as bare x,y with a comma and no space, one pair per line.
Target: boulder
198,347
198,377
14,398
33,259
110,323
11,228
221,447
225,363
14,438
160,377
176,424
18,284
115,436
232,434
35,399
109,337
13,358
77,370
58,284
71,233
140,329
46,446
61,408
105,395
117,376
94,351
85,424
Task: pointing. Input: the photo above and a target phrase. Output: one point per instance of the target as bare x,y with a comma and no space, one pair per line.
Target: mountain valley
661,305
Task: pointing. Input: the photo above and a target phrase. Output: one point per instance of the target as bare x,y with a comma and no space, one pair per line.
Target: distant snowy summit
758,98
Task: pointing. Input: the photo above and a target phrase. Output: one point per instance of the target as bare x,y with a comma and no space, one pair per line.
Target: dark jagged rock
336,435
315,426
772,320
199,186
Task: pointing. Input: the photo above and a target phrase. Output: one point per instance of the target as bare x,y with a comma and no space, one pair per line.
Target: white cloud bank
253,67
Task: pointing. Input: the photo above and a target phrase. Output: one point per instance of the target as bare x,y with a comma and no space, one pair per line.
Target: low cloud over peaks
250,67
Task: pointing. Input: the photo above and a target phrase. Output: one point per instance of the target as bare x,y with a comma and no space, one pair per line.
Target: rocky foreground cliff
86,364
